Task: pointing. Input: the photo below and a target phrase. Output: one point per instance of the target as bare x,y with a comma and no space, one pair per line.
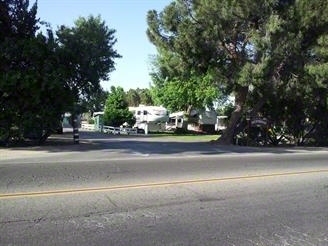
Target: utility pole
76,136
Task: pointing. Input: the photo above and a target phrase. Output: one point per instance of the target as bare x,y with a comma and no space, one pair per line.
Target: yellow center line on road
150,185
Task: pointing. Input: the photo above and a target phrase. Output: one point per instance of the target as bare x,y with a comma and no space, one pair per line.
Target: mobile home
150,118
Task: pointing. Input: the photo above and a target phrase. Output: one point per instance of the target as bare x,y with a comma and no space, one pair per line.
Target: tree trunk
44,137
186,117
240,99
257,107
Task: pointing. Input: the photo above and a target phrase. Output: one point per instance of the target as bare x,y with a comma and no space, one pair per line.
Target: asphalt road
142,191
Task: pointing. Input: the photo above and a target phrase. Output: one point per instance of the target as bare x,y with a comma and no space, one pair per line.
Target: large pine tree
243,44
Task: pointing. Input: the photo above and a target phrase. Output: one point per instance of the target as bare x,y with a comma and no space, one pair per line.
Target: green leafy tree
206,40
177,95
41,77
30,83
294,34
145,96
116,109
317,70
139,96
243,44
87,55
95,102
133,98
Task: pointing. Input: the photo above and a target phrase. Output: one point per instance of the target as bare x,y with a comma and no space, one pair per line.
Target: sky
128,18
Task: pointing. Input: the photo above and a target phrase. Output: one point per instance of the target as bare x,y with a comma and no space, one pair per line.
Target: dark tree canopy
138,96
43,76
252,49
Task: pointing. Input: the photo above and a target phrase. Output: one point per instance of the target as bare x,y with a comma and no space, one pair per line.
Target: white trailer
199,120
150,118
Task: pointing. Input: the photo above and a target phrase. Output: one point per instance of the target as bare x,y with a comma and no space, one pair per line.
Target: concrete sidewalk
55,144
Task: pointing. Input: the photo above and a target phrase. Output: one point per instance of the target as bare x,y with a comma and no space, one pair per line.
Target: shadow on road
150,144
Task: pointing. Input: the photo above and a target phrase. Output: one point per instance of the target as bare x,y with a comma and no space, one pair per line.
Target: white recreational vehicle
154,114
199,121
150,118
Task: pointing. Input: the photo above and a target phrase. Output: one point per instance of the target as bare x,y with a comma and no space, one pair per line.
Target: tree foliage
117,109
198,40
133,98
294,36
180,82
138,96
87,54
196,92
43,76
29,81
96,101
146,97
261,51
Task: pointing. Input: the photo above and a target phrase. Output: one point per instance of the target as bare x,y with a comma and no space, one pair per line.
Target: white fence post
89,127
112,129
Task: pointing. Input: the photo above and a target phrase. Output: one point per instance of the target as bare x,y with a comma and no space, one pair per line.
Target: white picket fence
88,127
119,130
110,129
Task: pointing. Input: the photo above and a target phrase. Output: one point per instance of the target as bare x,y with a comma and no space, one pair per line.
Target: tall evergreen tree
29,81
133,98
243,44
